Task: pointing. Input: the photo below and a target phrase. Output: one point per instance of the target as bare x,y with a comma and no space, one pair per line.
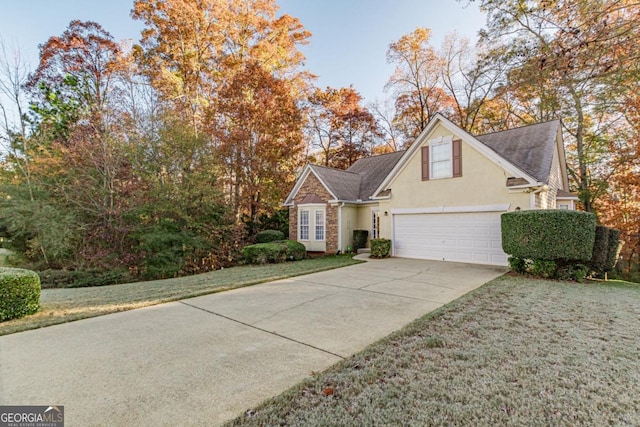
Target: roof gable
531,148
485,150
357,183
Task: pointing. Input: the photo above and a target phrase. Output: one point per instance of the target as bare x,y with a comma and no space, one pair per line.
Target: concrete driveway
205,360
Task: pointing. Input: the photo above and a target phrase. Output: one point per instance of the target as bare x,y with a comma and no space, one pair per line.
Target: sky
348,44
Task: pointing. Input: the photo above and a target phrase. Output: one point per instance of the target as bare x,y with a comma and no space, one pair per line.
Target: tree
189,47
258,127
13,107
340,126
572,58
197,53
416,82
469,81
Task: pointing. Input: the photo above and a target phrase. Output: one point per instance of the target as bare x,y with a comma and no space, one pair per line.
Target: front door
375,224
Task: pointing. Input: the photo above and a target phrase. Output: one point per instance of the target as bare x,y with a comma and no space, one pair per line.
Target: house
441,199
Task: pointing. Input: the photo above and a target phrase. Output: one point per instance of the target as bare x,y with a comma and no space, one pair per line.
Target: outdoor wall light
386,213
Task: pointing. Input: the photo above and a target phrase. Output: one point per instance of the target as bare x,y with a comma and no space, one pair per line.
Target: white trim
567,198
352,202
500,161
525,186
451,209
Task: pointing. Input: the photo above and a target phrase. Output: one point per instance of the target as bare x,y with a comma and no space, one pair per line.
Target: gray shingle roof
374,170
529,147
361,179
343,184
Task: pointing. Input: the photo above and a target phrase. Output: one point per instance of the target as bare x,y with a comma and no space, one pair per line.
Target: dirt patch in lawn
514,352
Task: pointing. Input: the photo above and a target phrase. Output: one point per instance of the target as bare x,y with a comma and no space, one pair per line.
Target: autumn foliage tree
198,54
416,82
257,126
340,127
572,59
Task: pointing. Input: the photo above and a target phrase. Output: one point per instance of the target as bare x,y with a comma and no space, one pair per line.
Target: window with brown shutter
425,163
457,157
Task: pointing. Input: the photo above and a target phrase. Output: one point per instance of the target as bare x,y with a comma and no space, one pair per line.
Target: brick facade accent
313,186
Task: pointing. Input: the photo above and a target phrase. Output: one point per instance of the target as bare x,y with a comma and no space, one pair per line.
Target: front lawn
65,305
517,351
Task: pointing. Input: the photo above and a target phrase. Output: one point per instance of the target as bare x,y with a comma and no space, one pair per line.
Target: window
320,225
440,165
304,224
442,158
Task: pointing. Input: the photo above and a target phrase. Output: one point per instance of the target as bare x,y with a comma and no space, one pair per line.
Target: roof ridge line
515,128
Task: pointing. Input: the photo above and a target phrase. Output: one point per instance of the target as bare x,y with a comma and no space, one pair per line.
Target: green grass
516,351
65,305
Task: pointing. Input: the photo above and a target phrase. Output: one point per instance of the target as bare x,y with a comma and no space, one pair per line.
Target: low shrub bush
295,250
274,252
19,293
359,239
549,234
83,278
267,236
543,268
517,264
380,248
577,272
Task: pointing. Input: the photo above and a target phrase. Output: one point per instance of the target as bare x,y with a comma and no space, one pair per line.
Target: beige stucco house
441,199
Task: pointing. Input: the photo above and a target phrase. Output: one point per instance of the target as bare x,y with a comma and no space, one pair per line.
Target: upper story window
442,158
440,155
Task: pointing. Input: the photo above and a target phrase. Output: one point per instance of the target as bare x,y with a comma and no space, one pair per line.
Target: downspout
340,206
533,195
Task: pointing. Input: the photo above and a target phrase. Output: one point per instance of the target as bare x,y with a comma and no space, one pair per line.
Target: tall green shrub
613,249
19,293
359,239
600,248
549,234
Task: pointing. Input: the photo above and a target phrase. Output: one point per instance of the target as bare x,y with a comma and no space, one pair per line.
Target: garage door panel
473,237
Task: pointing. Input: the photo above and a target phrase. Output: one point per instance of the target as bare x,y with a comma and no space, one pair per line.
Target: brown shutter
457,157
425,163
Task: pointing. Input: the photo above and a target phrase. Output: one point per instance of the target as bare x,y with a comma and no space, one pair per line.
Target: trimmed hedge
614,245
267,236
19,293
274,252
606,249
380,248
549,234
359,239
84,278
600,248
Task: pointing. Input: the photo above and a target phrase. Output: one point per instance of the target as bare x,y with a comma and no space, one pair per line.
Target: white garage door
473,237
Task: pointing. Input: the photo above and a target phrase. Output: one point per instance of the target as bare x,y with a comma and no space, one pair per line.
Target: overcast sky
349,37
